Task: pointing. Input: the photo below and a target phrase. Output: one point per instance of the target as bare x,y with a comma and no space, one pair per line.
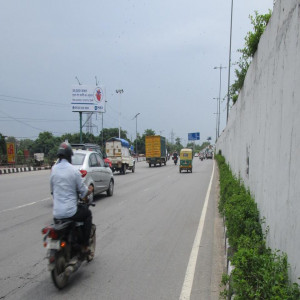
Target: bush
259,273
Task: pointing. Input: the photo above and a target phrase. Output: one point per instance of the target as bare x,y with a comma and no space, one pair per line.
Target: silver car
94,171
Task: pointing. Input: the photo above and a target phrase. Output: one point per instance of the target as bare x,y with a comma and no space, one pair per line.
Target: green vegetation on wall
259,272
259,23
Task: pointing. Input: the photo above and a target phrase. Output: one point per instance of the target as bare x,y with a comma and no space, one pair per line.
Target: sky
162,53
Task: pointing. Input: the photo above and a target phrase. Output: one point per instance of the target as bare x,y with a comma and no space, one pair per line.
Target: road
145,237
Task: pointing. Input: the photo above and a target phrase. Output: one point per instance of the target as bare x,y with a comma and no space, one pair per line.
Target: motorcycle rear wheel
60,279
92,243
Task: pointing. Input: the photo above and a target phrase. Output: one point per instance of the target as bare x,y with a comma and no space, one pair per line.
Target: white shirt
65,184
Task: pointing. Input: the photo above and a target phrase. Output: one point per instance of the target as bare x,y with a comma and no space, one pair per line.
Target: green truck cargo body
156,150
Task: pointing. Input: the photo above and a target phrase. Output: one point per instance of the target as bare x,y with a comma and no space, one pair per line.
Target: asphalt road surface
158,237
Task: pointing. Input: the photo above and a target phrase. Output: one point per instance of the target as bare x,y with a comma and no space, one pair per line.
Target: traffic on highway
158,236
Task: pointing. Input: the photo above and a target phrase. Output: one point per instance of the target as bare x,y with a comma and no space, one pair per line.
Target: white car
94,171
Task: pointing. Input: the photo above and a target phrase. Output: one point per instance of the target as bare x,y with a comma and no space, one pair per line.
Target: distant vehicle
186,160
209,154
156,153
38,158
196,155
94,171
201,156
117,151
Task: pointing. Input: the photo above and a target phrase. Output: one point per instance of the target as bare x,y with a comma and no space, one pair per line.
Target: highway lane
145,234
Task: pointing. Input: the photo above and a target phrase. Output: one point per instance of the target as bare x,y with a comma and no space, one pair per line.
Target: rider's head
65,151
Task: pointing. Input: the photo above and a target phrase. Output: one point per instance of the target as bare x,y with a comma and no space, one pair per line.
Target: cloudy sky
162,53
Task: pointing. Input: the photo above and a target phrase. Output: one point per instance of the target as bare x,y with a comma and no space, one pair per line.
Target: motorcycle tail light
53,234
63,244
83,173
51,259
44,230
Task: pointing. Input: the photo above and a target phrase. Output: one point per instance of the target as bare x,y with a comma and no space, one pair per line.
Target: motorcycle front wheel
60,279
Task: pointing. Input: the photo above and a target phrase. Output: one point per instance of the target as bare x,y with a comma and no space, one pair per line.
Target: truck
117,150
156,153
38,158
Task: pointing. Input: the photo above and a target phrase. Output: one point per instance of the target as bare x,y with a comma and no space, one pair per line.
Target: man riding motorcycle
65,184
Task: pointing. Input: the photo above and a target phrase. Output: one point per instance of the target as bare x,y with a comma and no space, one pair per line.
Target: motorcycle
175,159
63,241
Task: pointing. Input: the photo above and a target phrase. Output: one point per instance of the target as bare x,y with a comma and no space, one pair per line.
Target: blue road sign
195,136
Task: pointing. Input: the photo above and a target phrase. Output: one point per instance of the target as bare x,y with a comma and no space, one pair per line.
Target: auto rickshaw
186,160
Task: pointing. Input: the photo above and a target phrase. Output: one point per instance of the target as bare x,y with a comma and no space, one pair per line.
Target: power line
5,119
31,101
24,123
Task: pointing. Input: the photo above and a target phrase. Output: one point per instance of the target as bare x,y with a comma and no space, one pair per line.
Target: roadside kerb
22,169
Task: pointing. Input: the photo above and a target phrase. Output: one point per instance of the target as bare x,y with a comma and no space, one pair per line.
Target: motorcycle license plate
53,244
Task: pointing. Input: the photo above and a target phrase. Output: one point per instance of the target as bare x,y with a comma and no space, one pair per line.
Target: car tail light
83,173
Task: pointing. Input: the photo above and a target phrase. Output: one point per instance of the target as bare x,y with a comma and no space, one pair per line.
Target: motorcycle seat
64,223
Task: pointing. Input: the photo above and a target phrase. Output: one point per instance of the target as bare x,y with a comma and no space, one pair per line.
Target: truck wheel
149,165
123,171
133,168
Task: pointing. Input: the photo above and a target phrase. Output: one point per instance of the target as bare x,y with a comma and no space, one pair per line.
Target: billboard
11,154
195,136
87,98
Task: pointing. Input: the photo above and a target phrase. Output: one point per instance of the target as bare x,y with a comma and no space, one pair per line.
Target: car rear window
77,159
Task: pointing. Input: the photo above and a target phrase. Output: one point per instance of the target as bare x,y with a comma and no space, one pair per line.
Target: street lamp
219,96
136,149
120,91
229,63
217,117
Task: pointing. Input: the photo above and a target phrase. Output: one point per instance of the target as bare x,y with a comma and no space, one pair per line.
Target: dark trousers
83,214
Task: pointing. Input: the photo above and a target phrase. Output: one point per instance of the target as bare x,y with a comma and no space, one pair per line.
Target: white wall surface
261,141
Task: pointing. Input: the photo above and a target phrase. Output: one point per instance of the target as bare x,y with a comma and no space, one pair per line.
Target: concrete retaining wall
261,141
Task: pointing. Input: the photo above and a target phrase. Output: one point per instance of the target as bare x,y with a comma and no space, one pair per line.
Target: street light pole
217,117
120,91
80,116
219,96
136,149
229,63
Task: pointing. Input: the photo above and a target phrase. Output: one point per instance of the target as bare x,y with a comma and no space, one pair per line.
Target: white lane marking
21,206
190,271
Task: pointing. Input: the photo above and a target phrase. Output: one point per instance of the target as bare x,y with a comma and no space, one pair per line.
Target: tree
46,143
111,132
141,140
259,23
178,145
2,144
26,144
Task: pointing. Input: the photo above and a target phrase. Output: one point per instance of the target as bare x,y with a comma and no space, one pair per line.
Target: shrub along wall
259,272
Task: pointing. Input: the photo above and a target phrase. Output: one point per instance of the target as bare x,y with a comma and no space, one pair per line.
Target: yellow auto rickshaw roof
185,151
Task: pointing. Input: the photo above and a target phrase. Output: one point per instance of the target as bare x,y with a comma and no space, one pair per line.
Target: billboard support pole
80,121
